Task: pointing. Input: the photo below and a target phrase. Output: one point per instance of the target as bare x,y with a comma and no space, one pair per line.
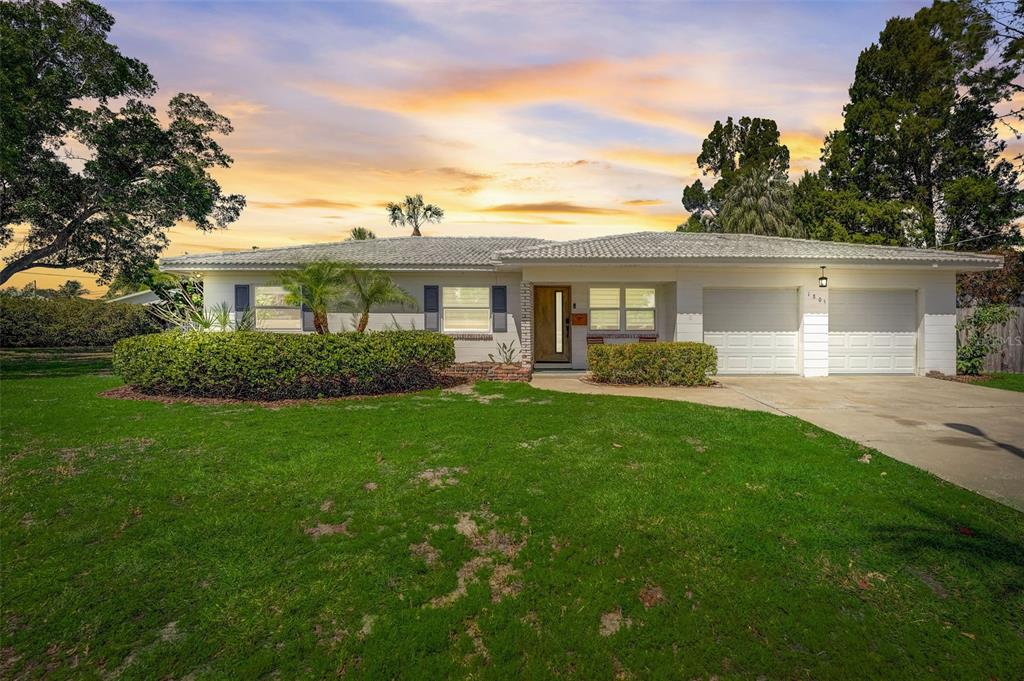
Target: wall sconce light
822,280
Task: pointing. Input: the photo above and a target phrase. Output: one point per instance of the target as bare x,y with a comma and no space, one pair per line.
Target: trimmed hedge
272,366
69,322
653,363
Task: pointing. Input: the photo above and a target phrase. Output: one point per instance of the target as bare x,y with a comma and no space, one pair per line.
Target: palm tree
315,286
370,288
759,203
412,213
360,234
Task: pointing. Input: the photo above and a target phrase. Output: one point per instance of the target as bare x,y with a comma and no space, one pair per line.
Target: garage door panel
754,330
737,341
872,331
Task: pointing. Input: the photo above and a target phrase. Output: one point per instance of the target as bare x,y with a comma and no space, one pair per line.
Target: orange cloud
804,148
676,164
644,90
644,202
553,207
303,203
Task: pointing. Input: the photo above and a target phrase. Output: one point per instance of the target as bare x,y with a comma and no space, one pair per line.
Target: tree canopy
96,187
759,203
412,212
730,149
920,127
360,234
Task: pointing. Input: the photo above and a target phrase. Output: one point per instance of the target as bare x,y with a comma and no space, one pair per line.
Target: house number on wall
814,296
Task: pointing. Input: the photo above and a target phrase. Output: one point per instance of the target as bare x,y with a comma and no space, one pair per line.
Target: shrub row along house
768,305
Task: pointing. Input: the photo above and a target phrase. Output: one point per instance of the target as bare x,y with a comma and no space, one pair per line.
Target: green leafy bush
69,322
980,340
269,366
653,363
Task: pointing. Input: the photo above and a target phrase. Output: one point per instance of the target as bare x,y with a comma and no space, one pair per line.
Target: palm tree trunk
320,322
364,319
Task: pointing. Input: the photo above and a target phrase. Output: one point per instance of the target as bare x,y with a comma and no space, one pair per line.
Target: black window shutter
499,309
307,319
241,297
431,308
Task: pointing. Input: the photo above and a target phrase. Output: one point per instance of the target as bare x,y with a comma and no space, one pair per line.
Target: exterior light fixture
822,280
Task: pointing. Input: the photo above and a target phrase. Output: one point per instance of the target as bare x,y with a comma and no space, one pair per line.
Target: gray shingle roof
461,253
410,253
667,246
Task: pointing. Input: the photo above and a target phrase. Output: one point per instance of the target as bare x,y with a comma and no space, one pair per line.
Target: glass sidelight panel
559,321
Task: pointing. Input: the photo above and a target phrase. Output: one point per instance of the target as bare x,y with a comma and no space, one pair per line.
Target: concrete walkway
969,435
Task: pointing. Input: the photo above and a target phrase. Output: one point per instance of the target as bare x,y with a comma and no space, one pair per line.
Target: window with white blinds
273,313
622,309
466,308
605,309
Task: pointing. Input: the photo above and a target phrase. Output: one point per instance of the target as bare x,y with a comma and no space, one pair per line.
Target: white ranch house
759,300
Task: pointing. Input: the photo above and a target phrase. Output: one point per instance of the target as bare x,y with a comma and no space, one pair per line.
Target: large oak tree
96,186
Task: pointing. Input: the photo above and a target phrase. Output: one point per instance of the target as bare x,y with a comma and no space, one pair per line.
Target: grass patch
1004,382
504,533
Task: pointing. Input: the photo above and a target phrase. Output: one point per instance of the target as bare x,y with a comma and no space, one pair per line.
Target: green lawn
1005,382
509,533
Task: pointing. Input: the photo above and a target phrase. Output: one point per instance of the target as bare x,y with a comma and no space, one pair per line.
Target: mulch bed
959,378
127,392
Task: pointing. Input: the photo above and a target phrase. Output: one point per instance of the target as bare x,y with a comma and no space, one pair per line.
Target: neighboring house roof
684,246
146,297
488,253
403,253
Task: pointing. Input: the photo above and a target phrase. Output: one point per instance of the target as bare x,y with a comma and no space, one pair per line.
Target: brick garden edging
489,371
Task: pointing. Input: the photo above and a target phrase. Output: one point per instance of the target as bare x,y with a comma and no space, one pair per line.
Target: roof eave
990,263
187,268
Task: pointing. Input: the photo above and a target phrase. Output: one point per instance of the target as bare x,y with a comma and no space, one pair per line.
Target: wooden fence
1010,355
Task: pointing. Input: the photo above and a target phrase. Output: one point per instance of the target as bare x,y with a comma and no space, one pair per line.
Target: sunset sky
555,120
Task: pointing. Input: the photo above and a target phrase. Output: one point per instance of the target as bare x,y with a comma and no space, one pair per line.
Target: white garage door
754,330
872,332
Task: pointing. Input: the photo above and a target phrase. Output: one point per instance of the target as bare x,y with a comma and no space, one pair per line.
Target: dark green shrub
69,322
270,366
653,363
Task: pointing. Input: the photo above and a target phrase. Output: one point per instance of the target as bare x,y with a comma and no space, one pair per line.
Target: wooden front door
551,331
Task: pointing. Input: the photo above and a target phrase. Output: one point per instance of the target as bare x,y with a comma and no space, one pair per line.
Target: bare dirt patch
370,486
530,444
479,649
505,583
430,555
651,595
492,541
612,622
325,529
466,575
698,445
441,477
327,505
469,390
170,632
494,549
366,627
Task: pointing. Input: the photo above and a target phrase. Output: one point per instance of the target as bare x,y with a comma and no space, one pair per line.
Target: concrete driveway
968,435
